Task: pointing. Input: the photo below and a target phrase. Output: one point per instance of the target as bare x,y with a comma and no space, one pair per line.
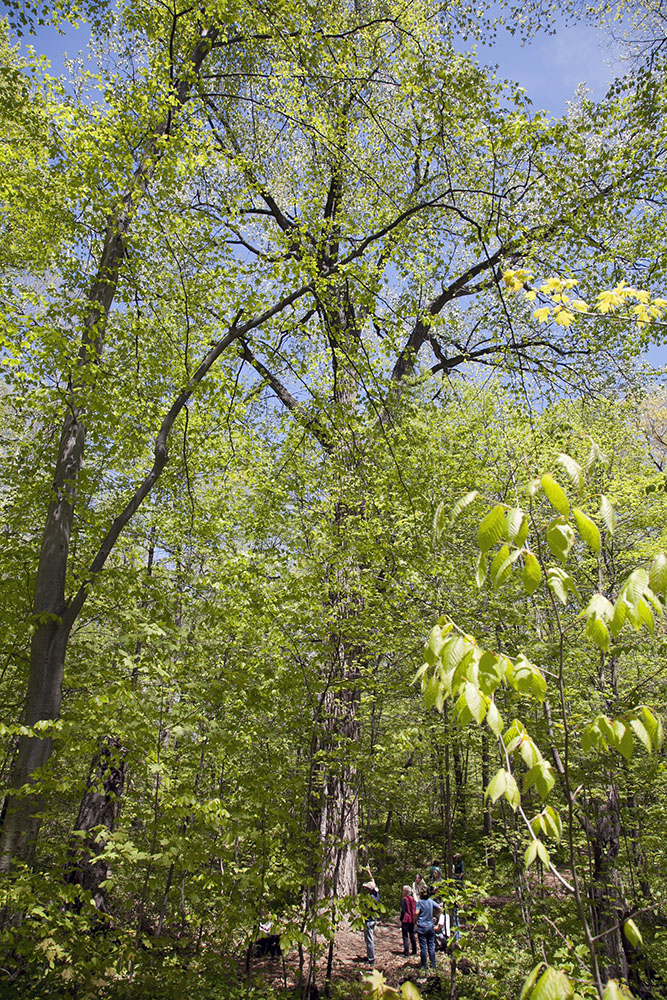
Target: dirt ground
350,959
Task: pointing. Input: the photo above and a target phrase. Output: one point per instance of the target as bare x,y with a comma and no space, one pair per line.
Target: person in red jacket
408,920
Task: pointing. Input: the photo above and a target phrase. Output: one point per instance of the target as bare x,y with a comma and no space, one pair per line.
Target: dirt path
349,963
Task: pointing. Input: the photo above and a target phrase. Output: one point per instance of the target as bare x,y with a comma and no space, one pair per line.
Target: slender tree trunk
606,897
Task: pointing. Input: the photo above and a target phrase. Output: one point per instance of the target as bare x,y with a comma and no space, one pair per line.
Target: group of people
424,915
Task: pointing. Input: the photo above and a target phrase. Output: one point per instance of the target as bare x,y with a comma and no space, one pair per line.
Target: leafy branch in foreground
556,549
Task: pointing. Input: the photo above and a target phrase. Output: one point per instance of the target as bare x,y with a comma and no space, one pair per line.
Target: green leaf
499,559
560,539
542,776
595,455
561,584
606,729
512,791
653,726
529,752
491,670
453,651
462,503
634,587
480,569
462,710
591,737
597,632
658,574
588,530
530,982
435,643
619,616
528,678
514,520
543,853
633,934
501,567
573,470
475,703
420,673
645,615
552,985
623,739
555,494
607,514
496,786
531,853
410,992
431,692
599,607
614,991
494,720
640,731
531,574
552,823
491,529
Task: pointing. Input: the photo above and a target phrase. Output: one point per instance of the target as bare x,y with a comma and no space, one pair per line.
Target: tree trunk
99,807
339,813
606,898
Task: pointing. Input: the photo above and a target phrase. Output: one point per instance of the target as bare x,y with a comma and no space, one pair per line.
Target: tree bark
98,812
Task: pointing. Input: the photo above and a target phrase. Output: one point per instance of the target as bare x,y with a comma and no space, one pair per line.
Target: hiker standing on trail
408,920
435,875
371,920
426,909
418,886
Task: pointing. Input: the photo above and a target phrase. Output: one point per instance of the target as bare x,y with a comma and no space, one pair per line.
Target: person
408,920
459,868
426,911
441,930
371,920
435,875
418,886
268,943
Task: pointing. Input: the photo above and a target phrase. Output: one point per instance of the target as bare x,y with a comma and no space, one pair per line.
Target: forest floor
349,963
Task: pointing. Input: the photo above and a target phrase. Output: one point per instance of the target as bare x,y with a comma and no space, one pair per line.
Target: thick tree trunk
99,808
21,820
339,813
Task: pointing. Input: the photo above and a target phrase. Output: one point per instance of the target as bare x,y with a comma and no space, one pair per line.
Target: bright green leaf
531,574
573,470
633,934
607,514
588,530
491,529
555,494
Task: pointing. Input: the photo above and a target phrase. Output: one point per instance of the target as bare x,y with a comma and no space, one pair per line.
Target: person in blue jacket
426,910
